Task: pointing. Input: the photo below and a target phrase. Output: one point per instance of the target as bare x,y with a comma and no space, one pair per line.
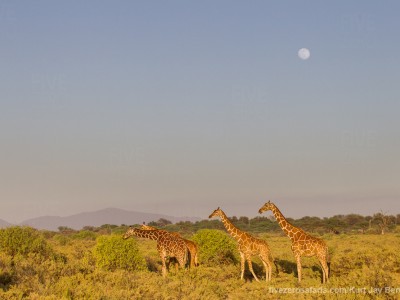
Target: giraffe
192,246
303,244
248,246
167,245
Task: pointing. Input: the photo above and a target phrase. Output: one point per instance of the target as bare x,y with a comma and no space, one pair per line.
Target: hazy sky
178,107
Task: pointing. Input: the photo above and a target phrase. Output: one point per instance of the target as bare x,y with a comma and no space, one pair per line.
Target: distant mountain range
4,223
113,216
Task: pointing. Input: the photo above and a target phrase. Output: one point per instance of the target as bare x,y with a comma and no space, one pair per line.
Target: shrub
23,241
216,247
62,239
113,252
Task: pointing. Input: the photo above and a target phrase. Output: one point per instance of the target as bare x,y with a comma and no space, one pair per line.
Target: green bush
113,252
62,239
23,241
216,247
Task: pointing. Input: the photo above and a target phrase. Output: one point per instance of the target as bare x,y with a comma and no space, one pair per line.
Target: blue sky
177,107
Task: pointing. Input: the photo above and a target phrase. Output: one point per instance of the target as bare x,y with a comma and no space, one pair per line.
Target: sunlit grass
359,264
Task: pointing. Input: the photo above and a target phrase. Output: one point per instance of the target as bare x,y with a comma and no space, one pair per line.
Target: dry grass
359,264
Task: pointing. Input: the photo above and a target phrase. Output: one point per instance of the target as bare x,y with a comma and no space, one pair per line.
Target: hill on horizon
4,224
113,216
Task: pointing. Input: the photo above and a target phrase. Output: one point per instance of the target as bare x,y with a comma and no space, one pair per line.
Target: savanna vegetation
96,263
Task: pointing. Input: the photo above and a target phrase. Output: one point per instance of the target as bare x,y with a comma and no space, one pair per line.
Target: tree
233,219
354,219
89,228
383,221
160,223
244,220
65,229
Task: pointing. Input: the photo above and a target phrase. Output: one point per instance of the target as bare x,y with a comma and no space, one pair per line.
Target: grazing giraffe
192,246
303,244
168,245
248,246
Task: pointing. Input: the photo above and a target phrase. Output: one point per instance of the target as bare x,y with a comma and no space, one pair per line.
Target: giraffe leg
270,271
266,271
241,265
190,264
269,263
181,262
268,268
325,270
182,259
177,263
164,266
187,259
298,261
171,261
251,268
192,259
324,274
196,263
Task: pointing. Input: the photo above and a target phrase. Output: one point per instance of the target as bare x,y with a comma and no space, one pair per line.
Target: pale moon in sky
304,53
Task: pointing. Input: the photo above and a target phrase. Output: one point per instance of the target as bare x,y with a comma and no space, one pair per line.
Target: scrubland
88,265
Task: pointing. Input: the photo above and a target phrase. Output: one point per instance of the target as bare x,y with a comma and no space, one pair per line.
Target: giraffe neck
148,234
287,228
232,230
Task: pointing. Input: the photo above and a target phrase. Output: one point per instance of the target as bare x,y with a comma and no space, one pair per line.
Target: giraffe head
267,206
129,233
216,213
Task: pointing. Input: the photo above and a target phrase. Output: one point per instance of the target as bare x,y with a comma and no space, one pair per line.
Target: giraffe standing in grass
248,246
192,246
303,244
168,245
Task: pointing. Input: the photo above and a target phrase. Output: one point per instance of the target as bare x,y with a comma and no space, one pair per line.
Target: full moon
304,53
